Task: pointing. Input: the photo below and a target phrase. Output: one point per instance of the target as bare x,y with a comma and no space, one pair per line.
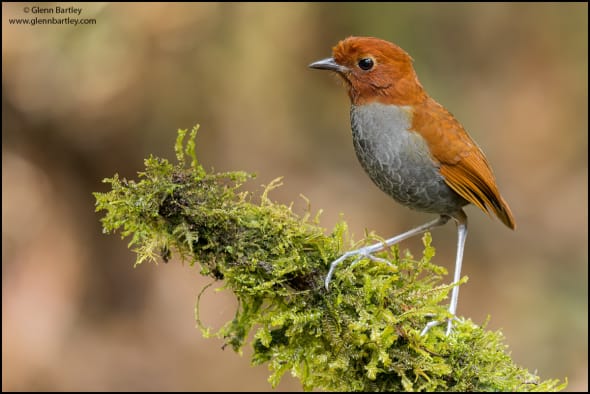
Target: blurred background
82,103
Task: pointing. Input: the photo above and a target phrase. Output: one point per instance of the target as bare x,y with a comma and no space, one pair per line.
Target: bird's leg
367,250
461,219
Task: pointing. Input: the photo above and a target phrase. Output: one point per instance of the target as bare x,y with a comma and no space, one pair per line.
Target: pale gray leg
461,219
461,236
367,250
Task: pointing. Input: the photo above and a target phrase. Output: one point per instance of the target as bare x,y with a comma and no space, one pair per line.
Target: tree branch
362,335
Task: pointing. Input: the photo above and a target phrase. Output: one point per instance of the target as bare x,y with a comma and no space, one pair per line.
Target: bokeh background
81,103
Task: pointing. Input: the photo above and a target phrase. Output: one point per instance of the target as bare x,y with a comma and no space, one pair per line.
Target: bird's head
374,70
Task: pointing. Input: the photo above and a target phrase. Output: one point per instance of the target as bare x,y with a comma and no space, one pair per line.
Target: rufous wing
462,163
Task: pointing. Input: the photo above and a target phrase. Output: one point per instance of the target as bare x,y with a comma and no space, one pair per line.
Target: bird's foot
365,252
438,322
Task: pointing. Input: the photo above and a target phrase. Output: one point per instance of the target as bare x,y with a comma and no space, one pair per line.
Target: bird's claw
361,253
435,323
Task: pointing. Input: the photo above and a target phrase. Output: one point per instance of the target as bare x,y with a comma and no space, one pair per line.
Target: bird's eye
366,63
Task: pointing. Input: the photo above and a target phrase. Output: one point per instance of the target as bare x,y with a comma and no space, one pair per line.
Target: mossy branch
362,335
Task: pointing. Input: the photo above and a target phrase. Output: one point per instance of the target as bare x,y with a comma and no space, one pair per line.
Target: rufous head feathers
374,70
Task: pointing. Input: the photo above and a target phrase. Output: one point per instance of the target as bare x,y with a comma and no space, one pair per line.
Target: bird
411,147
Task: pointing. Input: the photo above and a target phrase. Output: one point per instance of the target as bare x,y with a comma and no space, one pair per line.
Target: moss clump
362,335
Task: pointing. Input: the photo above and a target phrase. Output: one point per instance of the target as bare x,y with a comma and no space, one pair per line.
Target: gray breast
398,160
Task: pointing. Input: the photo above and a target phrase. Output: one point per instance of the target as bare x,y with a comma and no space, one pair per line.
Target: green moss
362,335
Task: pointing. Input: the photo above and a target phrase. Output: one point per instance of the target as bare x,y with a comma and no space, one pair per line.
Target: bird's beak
328,64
